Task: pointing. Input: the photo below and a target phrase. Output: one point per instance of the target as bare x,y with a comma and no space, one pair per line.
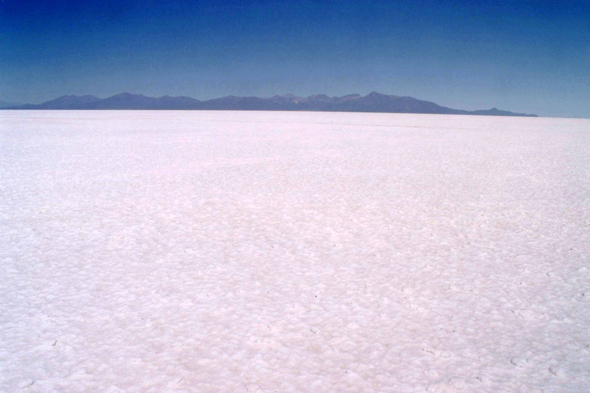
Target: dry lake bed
188,251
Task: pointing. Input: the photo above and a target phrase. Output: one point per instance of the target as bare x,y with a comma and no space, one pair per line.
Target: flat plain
152,251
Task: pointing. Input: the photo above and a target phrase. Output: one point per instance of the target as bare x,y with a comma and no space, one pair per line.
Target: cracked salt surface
293,252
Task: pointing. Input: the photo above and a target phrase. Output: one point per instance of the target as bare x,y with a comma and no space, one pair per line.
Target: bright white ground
293,252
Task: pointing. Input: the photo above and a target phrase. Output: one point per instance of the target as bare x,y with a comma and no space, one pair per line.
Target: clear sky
519,55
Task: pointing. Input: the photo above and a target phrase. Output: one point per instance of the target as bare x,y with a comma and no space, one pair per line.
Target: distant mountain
65,102
498,112
373,102
4,104
238,104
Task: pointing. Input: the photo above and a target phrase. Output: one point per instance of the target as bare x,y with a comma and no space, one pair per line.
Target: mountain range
4,104
373,102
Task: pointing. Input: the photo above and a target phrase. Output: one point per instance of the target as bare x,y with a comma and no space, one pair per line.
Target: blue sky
522,55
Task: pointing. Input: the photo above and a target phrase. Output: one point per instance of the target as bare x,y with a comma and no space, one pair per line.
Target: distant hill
4,104
373,102
64,102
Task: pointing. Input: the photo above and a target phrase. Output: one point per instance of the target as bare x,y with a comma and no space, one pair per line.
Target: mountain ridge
4,104
372,102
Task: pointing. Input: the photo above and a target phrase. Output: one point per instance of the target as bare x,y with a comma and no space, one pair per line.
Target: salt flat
293,252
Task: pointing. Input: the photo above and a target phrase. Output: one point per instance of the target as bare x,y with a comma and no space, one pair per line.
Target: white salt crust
173,251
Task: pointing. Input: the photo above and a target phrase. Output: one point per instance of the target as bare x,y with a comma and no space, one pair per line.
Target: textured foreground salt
293,252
